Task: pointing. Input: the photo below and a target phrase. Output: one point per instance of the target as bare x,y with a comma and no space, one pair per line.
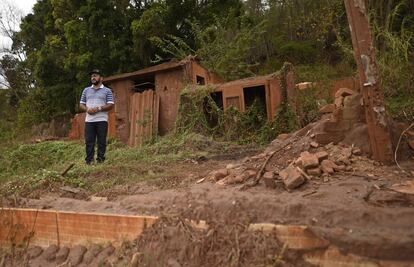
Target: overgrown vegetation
29,169
45,70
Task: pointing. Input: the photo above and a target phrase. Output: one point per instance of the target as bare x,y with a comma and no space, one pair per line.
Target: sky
24,5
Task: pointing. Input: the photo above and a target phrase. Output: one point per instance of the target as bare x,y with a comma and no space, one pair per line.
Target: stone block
309,160
314,144
292,178
314,171
327,166
321,155
343,92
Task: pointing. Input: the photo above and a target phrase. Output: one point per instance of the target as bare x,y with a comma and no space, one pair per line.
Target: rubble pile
316,151
320,161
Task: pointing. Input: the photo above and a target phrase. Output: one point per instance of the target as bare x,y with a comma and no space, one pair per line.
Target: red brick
292,178
309,160
321,155
314,144
314,171
327,166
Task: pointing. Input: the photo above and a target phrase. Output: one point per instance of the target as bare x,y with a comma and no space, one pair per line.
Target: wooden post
364,52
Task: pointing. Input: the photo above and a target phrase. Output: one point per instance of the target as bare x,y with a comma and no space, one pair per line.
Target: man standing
96,100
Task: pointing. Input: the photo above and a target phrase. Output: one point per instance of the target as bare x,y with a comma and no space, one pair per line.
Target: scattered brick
327,166
292,178
50,253
343,92
321,155
309,160
314,171
314,144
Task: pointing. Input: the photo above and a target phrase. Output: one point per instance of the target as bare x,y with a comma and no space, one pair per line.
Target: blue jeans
95,131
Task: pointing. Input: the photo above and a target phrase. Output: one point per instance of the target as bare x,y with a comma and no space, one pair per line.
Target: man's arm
106,107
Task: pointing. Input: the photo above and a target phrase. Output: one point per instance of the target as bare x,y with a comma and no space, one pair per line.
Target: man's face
96,79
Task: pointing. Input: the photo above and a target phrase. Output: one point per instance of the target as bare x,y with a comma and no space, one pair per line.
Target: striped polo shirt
92,98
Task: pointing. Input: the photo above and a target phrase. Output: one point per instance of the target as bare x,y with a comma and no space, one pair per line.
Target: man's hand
92,111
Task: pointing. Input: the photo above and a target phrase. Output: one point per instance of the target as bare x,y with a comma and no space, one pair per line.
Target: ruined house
147,100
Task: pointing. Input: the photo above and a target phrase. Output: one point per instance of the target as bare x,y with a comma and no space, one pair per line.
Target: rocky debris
292,177
308,160
411,144
314,144
321,155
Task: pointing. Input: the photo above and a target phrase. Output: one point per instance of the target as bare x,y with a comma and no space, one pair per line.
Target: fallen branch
67,169
304,173
259,174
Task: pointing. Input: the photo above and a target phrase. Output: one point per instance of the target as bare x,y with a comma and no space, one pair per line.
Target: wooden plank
364,52
156,112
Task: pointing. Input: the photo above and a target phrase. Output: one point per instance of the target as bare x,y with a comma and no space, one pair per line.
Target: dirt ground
355,209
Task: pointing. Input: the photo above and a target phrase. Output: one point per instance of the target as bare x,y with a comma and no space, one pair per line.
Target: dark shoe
99,161
88,162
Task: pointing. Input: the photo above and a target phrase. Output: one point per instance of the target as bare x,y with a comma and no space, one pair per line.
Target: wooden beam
364,52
